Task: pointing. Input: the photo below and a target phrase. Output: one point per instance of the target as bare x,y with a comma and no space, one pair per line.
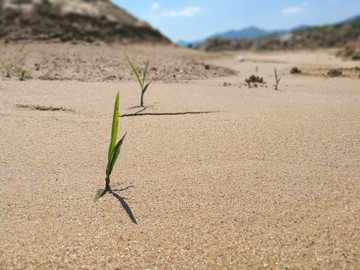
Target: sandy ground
209,176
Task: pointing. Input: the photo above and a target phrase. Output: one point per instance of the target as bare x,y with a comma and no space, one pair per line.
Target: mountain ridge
253,32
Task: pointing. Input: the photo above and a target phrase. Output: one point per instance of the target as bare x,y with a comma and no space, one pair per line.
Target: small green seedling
114,150
21,74
7,69
142,83
277,80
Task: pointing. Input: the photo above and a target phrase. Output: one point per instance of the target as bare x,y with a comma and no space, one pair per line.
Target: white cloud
155,6
291,10
186,12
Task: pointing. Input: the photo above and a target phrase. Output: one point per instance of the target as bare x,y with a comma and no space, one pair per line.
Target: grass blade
276,76
5,67
145,88
146,68
114,129
142,94
116,154
99,194
134,70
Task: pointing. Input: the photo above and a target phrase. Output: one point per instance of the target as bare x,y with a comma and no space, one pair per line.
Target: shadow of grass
163,114
124,204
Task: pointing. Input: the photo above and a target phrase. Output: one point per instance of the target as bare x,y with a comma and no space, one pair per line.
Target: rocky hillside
72,20
351,51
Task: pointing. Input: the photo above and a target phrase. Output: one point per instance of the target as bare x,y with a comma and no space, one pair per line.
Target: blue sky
192,20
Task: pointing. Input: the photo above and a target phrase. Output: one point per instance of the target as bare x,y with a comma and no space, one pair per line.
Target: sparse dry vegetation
335,72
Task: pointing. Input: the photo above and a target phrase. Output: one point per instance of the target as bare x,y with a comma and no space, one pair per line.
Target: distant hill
254,32
71,20
246,33
302,37
249,32
352,20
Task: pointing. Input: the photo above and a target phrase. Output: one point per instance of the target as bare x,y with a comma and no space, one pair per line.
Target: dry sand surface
209,176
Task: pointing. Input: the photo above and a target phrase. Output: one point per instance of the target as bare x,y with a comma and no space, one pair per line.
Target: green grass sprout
21,74
7,69
277,80
114,150
142,83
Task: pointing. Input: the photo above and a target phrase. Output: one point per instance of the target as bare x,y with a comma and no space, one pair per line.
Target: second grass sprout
142,83
277,80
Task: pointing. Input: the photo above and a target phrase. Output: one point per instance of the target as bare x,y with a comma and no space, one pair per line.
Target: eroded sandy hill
87,20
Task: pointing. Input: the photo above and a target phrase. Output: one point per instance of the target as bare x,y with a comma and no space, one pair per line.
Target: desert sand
212,174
